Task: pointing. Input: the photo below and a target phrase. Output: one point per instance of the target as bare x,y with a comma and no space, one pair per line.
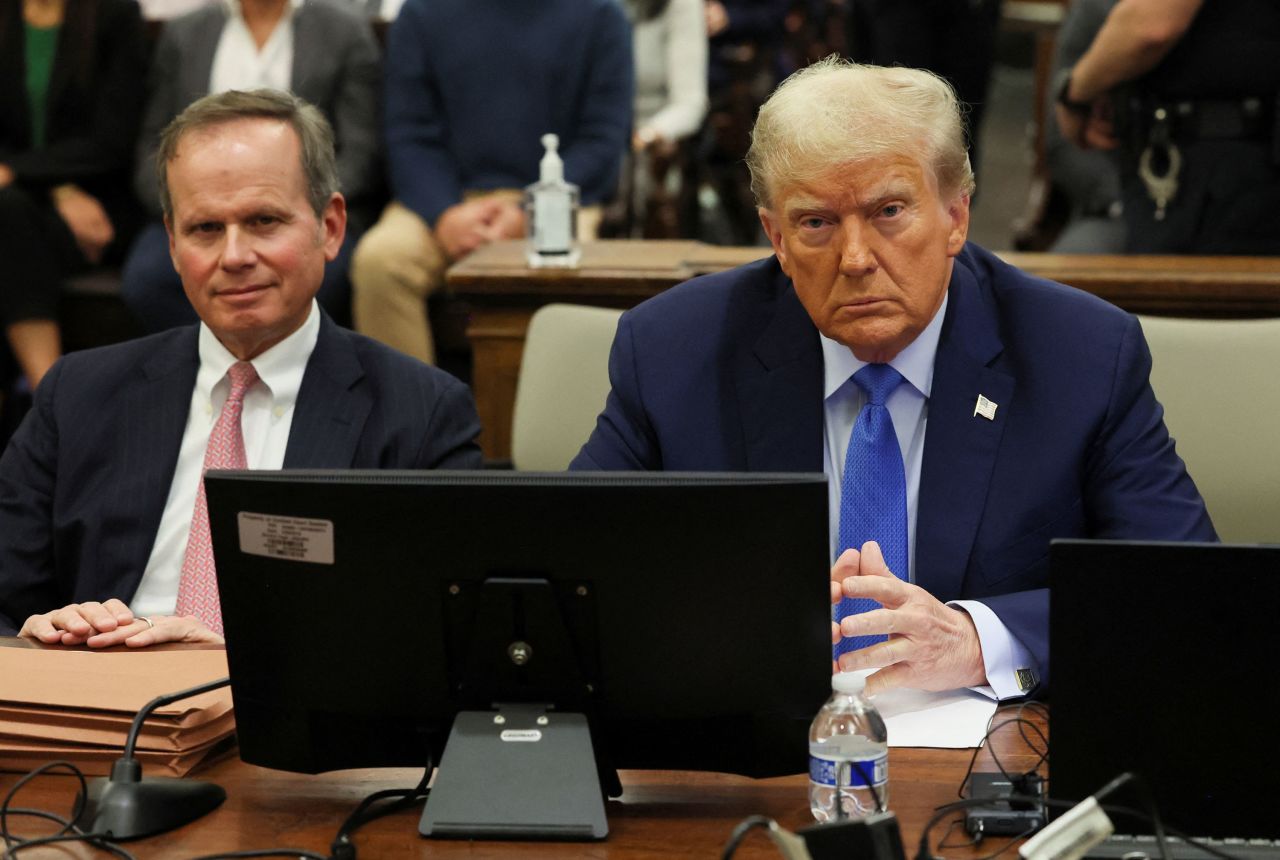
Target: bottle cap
551,168
851,683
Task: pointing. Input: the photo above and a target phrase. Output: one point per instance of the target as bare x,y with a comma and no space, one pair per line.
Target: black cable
160,701
76,808
342,848
1023,724
740,832
924,853
841,815
101,842
68,832
297,853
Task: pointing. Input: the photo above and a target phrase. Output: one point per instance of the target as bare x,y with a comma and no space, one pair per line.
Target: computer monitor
668,621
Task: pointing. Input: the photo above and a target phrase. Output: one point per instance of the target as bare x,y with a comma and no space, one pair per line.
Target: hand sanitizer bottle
551,212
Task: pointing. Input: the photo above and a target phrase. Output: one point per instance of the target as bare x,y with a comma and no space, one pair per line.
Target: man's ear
173,250
773,229
333,226
958,210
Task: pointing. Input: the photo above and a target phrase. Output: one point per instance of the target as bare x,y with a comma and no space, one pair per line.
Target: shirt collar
280,368
915,362
234,10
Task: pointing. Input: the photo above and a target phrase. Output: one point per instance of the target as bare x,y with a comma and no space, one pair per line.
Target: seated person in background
965,412
471,87
71,85
104,534
322,50
670,42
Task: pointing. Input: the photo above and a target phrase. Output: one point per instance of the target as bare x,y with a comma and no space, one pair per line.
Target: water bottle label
855,774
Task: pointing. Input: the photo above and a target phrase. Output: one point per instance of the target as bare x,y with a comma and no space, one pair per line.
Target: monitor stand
519,772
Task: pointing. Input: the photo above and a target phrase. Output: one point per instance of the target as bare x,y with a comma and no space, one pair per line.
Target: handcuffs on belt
1161,187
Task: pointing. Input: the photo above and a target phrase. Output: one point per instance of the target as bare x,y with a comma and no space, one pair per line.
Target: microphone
127,805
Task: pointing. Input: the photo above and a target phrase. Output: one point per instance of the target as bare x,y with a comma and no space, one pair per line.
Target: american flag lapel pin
985,408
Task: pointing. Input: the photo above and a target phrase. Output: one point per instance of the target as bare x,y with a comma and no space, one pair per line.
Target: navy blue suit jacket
83,482
725,373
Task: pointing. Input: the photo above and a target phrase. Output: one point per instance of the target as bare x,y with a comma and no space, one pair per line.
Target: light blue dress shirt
1002,653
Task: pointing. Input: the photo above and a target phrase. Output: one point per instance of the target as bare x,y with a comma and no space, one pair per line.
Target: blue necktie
873,493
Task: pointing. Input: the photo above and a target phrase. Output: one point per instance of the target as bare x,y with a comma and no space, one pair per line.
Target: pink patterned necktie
198,589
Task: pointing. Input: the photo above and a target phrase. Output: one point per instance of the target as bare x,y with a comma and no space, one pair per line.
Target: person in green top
72,88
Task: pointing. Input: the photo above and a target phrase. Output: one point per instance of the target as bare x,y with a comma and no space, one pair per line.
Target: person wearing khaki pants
402,261
471,87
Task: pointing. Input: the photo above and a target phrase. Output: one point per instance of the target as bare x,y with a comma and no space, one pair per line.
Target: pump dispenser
551,210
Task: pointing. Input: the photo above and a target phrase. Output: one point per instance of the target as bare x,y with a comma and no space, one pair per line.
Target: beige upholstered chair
564,379
1219,381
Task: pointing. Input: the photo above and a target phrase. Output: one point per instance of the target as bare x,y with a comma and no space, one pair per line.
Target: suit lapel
960,446
332,406
155,419
197,57
780,387
310,67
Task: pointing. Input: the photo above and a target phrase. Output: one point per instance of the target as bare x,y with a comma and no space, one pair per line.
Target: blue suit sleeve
623,439
1135,487
28,474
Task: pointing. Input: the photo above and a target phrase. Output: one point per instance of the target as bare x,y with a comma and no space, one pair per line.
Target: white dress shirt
239,65
908,405
265,421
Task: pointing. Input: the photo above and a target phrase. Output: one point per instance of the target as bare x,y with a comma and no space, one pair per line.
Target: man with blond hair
965,412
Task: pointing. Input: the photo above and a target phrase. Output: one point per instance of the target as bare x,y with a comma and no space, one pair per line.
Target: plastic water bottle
848,753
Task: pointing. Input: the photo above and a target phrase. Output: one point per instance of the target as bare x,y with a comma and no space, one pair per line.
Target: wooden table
661,813
503,292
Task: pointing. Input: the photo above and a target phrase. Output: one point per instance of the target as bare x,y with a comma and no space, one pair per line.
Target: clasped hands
101,625
465,226
931,646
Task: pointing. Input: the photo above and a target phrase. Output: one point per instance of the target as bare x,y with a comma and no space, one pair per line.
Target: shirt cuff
1011,671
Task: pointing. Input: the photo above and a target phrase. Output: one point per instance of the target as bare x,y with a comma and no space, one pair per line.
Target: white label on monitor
290,538
525,736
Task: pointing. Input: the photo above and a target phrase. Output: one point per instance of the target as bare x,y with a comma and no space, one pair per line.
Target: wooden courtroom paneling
503,292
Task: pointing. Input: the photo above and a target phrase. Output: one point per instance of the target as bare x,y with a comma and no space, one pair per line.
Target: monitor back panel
1166,662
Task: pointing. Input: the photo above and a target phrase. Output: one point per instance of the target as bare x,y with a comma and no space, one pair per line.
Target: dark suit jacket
335,67
725,373
84,480
93,106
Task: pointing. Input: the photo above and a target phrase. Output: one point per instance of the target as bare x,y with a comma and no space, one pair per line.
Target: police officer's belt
1249,118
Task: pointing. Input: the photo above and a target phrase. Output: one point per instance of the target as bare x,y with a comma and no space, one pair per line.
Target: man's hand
100,625
6,175
465,226
1096,130
86,218
931,646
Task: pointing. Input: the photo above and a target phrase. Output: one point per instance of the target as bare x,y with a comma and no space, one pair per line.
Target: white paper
953,720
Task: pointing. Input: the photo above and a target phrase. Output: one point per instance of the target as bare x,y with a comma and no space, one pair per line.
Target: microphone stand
127,805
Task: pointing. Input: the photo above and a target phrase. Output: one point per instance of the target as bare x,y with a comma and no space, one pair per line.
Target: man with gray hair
104,533
965,412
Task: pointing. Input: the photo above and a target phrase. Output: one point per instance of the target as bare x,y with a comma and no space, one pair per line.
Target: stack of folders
77,705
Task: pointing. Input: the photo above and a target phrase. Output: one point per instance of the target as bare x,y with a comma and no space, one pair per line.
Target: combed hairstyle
319,164
836,112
